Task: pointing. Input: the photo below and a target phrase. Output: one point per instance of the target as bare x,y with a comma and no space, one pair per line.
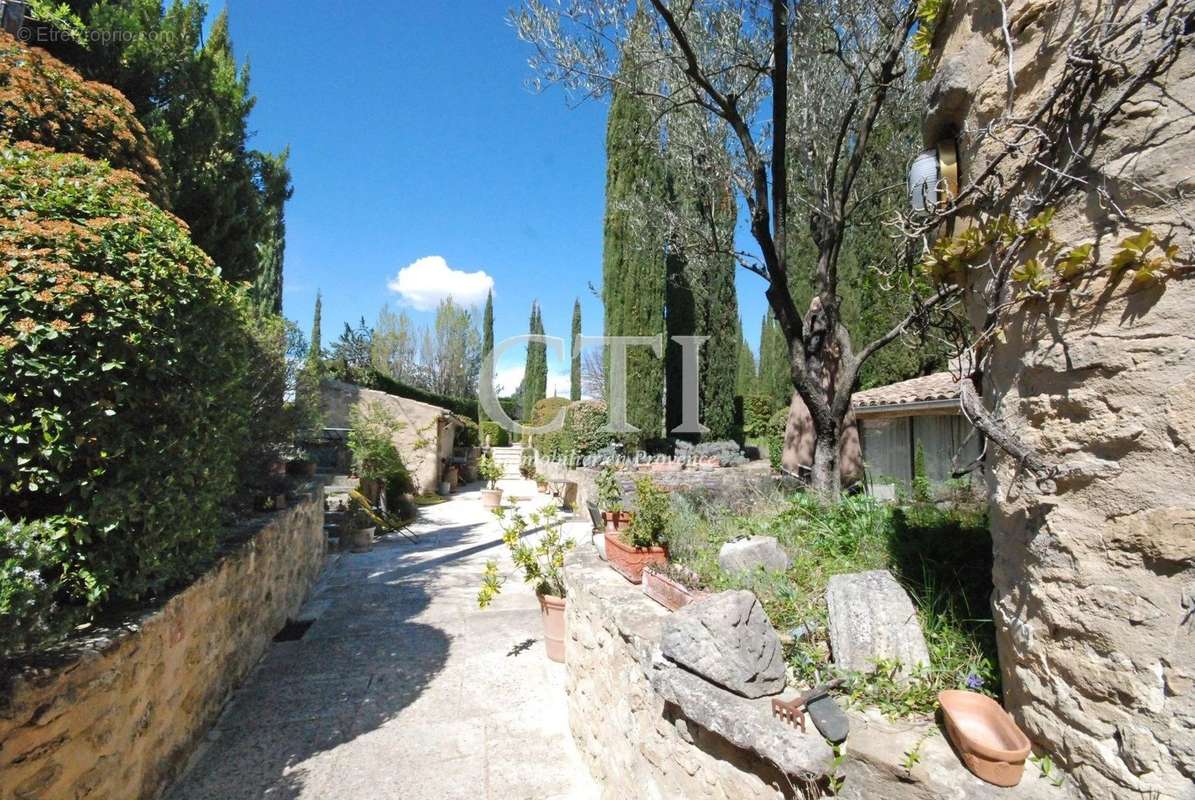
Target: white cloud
423,283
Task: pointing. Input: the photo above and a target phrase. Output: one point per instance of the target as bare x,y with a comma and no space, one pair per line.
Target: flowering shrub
46,102
125,388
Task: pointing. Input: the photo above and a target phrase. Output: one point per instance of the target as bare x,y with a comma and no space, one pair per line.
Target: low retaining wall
729,485
118,716
649,729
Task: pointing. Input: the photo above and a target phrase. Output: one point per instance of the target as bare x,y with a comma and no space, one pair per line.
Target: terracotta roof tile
939,386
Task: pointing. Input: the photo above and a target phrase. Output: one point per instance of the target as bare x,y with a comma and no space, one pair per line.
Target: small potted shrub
672,585
358,530
542,564
491,473
609,496
642,543
541,482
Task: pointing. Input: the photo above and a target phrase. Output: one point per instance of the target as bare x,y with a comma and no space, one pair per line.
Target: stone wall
634,743
649,729
424,438
729,485
118,715
1095,573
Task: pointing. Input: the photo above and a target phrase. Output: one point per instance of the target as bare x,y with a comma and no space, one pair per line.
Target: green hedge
549,444
757,414
775,434
499,436
126,381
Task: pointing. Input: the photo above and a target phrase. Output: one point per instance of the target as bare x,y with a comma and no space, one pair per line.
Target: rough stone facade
118,716
1095,574
424,439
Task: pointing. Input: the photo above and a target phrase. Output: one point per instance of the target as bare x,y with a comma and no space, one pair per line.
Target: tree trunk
826,478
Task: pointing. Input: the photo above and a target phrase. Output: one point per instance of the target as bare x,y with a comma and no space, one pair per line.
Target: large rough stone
728,639
747,724
872,618
748,555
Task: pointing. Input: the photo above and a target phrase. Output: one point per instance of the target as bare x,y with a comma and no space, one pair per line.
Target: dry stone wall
648,728
118,716
1094,573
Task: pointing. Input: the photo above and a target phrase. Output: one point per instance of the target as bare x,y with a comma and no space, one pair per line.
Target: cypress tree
575,371
774,374
702,302
315,352
487,344
541,360
633,265
535,369
681,320
746,379
719,319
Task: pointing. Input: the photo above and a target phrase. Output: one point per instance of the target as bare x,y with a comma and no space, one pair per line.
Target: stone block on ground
728,639
872,618
748,555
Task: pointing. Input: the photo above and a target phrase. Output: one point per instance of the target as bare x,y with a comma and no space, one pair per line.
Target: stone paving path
403,688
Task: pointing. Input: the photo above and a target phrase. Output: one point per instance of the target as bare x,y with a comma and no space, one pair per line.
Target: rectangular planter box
669,593
629,560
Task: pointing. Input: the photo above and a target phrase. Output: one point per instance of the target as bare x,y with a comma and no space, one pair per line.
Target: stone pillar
1094,575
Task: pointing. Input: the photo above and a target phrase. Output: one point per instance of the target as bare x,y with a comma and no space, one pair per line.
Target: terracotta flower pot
617,520
668,592
491,498
630,560
989,742
360,540
551,611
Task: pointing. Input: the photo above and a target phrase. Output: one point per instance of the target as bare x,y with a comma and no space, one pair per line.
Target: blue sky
413,135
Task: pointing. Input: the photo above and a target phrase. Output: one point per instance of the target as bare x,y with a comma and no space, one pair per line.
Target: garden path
402,687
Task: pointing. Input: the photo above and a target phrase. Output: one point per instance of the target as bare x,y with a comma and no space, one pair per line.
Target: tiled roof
939,386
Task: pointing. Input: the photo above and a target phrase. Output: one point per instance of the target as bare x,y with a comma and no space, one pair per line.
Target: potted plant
358,530
491,473
642,543
542,564
672,585
609,495
541,482
527,464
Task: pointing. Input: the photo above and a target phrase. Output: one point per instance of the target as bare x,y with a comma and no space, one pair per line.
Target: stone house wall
1095,573
424,438
119,715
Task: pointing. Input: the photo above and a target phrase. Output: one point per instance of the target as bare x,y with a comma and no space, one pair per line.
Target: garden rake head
792,712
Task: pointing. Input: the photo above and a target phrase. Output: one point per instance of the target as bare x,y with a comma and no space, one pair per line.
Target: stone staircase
509,459
336,494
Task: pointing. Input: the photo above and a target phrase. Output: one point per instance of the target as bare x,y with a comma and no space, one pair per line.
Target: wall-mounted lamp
933,177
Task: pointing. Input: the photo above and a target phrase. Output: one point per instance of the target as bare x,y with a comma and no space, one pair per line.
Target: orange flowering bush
44,101
125,386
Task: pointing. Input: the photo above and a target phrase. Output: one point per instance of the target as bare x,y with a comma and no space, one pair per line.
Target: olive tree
793,94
